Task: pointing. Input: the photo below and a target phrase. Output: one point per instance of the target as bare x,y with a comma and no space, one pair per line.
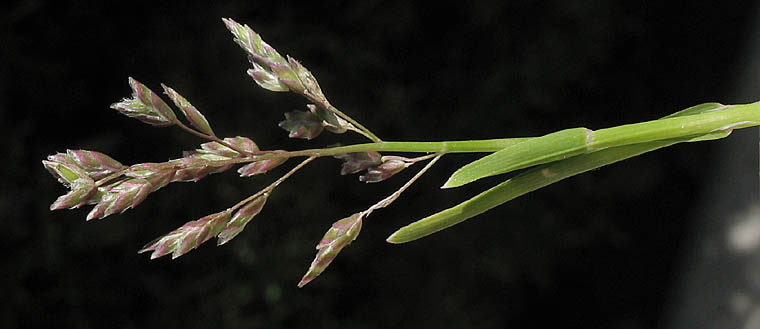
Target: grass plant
96,179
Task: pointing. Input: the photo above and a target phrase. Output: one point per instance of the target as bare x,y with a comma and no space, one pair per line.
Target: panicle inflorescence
97,179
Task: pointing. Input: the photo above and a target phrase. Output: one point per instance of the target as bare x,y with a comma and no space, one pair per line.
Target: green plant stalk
526,182
476,146
544,175
572,142
683,125
472,146
515,153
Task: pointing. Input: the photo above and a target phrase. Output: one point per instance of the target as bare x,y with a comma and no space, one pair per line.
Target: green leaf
541,176
698,109
571,142
521,184
555,146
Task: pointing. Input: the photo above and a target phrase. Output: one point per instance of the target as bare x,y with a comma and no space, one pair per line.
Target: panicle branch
95,178
222,225
273,72
346,230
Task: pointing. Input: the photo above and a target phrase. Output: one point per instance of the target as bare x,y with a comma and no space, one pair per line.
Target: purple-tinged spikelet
158,174
302,124
145,106
330,121
96,164
270,70
189,111
92,164
78,170
358,161
241,218
219,151
260,167
189,236
340,234
81,191
384,171
120,196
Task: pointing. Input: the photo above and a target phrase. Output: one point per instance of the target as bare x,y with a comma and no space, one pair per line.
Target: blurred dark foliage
597,250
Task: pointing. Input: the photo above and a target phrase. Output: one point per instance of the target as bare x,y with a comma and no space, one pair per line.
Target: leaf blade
541,176
551,147
572,142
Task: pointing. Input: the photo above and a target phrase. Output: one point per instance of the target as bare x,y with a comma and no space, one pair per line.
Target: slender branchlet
346,230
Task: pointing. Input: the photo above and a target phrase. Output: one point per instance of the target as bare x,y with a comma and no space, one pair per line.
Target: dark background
595,251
